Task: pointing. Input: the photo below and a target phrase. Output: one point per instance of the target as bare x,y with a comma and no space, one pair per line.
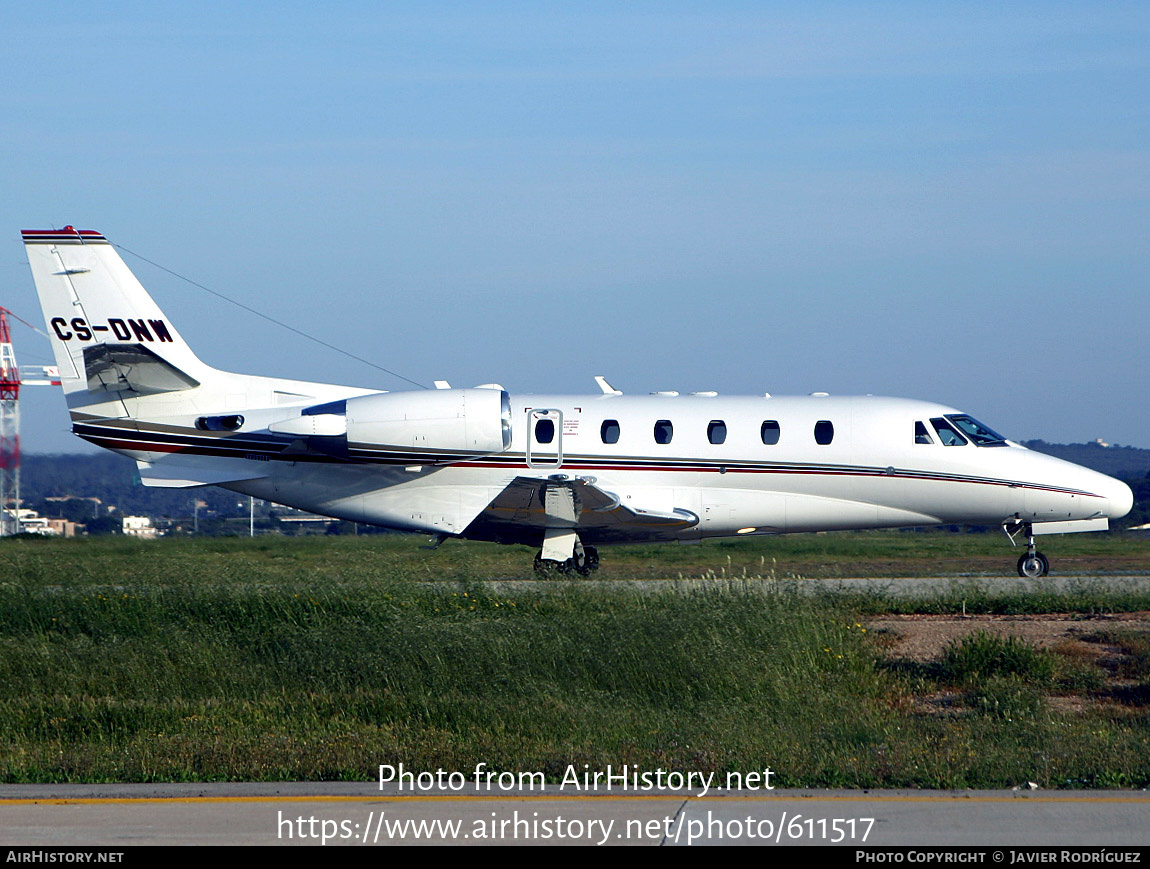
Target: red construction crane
10,384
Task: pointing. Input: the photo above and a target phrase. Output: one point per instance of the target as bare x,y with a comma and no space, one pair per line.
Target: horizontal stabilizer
169,474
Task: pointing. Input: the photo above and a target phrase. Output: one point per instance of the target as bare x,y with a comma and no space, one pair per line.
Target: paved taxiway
898,586
351,814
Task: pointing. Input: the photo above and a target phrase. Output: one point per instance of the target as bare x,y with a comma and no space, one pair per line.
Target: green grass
279,659
981,655
832,555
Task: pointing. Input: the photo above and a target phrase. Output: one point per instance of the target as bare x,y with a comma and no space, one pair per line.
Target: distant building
31,522
139,526
65,527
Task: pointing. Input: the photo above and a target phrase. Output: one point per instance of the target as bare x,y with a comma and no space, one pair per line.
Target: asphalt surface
329,814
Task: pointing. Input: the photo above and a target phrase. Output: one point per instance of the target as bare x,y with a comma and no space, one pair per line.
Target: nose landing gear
1032,564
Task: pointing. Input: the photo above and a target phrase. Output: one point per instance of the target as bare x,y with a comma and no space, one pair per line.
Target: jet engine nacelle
475,422
440,425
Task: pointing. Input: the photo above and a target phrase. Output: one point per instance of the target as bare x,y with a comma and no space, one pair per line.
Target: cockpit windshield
980,434
948,435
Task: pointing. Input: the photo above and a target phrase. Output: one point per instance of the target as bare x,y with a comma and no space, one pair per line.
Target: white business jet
562,473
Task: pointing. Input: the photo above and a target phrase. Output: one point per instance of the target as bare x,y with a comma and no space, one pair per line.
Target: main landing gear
583,561
1031,564
563,552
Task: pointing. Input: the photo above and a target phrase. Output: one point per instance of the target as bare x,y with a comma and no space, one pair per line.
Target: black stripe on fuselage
122,435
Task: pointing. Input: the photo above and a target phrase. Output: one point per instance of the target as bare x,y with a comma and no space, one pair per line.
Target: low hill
1125,463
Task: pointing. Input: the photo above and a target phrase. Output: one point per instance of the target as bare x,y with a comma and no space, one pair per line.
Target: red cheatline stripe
241,452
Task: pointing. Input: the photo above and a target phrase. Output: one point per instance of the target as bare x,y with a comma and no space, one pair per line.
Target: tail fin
108,335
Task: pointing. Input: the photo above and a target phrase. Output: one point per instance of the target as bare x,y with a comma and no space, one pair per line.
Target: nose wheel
1032,564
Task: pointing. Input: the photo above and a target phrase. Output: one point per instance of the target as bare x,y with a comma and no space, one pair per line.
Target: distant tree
1140,513
104,525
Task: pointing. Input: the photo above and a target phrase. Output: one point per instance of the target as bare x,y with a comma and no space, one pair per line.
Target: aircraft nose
1119,497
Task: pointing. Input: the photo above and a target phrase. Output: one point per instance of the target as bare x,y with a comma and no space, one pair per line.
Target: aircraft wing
528,506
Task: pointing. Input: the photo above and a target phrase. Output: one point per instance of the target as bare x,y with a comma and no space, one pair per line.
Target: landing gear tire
546,567
586,560
1033,566
592,559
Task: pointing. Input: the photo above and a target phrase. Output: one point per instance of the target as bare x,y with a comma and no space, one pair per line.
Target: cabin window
663,431
921,435
544,431
824,432
609,431
220,423
770,432
948,436
716,431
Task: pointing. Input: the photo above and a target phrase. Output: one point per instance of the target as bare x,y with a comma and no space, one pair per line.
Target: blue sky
939,201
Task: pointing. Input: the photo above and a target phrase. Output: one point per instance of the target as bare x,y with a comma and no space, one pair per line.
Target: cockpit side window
921,435
948,435
982,435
